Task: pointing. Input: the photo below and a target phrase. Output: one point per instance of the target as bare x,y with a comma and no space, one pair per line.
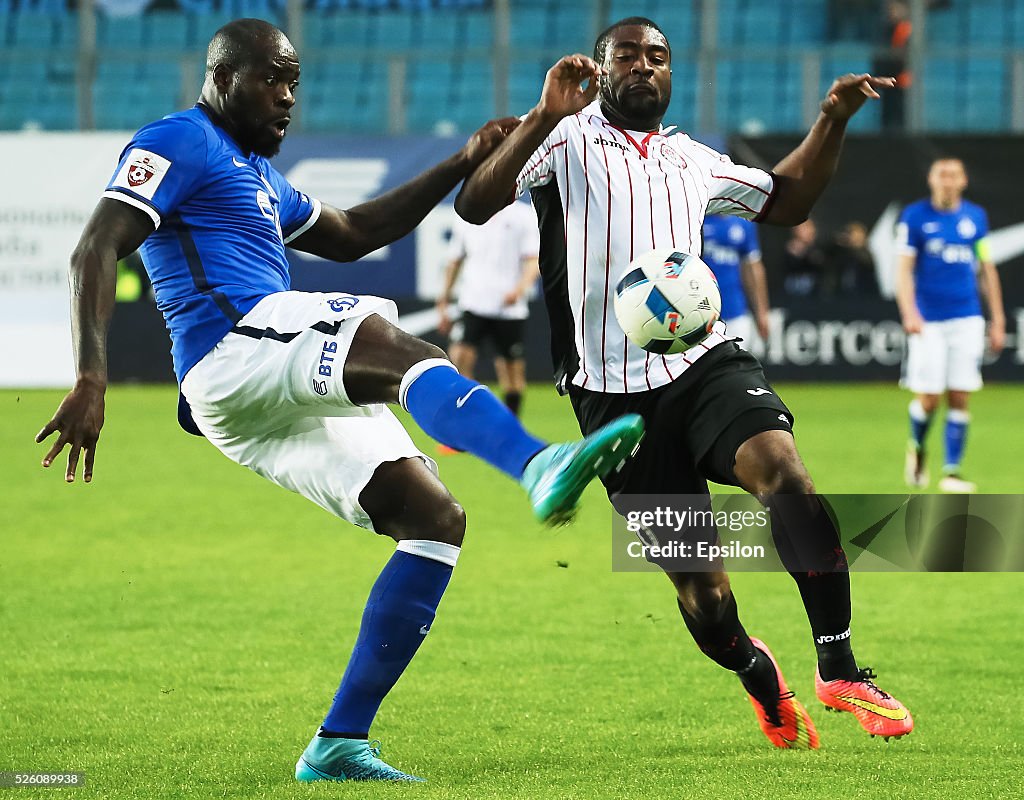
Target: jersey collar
639,139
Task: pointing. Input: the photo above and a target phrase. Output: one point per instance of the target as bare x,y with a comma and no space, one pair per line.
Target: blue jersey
223,218
945,245
728,242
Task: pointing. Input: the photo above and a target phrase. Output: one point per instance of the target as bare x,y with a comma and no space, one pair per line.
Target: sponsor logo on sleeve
142,172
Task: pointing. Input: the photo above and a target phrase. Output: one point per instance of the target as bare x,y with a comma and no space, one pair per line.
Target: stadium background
76,79
176,628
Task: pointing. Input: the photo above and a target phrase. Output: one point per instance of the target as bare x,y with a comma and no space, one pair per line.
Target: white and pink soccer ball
667,301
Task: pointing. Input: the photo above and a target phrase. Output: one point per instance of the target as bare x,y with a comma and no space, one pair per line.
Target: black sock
721,639
809,546
725,642
323,733
514,401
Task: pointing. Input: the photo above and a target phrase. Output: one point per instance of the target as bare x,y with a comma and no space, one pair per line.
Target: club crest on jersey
340,304
966,228
671,155
140,171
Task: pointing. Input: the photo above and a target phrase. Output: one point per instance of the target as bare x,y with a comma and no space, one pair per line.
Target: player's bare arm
492,186
802,175
992,292
451,274
910,315
114,231
527,278
755,286
348,235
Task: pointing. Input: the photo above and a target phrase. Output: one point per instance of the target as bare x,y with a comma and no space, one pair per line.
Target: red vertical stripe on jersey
586,229
650,200
607,270
632,218
668,194
689,219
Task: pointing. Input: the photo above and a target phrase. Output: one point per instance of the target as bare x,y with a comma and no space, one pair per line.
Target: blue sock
956,438
466,415
920,420
397,617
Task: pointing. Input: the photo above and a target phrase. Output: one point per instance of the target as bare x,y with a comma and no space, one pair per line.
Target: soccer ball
667,301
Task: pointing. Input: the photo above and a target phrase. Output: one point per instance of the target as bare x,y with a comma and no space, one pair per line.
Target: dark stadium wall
880,173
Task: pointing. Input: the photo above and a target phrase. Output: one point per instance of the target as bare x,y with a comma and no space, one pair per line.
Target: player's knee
447,524
782,473
707,602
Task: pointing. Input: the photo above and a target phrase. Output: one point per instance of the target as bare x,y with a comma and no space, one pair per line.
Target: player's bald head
244,43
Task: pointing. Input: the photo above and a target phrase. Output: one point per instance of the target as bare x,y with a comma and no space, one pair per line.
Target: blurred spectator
803,260
850,267
852,20
892,60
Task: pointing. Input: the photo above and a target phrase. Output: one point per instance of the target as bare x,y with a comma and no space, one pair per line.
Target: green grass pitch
177,629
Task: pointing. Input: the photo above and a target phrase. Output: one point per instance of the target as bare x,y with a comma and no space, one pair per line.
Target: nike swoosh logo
882,711
758,391
424,630
462,400
238,163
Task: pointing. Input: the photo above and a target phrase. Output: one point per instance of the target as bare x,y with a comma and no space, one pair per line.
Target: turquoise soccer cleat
556,477
346,760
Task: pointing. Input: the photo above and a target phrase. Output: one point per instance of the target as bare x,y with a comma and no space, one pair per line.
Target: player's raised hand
563,93
488,137
78,421
848,93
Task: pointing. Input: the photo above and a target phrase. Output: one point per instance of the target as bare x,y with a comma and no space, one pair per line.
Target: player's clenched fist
563,93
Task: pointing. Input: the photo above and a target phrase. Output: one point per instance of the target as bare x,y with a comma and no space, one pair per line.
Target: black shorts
505,334
695,424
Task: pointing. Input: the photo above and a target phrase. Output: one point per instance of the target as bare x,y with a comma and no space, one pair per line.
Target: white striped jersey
603,196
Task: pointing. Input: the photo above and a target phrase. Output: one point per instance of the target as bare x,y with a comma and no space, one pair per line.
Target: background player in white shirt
495,265
293,385
609,183
943,256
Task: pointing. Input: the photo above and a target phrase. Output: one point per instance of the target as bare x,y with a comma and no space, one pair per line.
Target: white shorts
270,396
742,327
945,355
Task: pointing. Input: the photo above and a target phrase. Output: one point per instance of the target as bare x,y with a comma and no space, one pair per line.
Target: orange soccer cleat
787,724
878,713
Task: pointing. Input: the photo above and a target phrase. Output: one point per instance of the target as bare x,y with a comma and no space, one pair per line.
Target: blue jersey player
732,250
943,257
293,385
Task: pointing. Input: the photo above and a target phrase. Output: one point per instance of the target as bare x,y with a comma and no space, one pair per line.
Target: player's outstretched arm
114,230
348,235
802,176
492,186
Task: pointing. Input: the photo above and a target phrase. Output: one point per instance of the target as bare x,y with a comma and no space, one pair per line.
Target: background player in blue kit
942,240
293,385
732,250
